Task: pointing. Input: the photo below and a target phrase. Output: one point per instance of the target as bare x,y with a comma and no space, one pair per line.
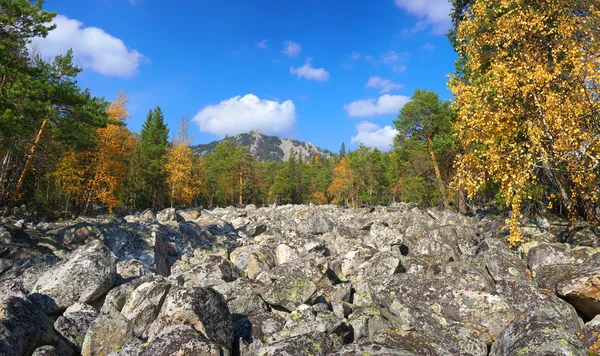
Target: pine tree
424,119
343,150
153,154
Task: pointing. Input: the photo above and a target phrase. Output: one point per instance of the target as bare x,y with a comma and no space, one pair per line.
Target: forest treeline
522,130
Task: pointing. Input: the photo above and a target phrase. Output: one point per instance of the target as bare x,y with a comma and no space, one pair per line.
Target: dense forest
522,130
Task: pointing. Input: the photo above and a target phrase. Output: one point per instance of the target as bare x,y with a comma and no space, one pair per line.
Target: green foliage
151,157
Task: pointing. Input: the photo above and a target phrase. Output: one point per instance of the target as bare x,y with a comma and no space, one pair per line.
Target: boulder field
297,280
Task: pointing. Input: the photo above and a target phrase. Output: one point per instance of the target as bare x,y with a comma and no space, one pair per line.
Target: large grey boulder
537,335
314,343
47,350
74,323
577,284
169,217
87,275
205,272
202,308
23,326
295,284
107,333
182,340
144,303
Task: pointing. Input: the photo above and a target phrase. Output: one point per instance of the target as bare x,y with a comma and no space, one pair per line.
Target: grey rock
87,275
295,285
169,217
128,270
182,340
74,323
206,272
315,343
202,308
577,284
107,333
143,305
536,335
590,335
47,350
23,326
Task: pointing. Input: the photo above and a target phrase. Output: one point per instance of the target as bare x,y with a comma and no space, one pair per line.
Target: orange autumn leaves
98,174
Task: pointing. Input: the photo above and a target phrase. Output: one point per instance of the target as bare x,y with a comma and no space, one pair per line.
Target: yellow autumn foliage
529,100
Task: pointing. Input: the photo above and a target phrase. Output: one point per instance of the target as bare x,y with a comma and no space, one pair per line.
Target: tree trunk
241,200
462,201
589,208
565,201
28,163
438,174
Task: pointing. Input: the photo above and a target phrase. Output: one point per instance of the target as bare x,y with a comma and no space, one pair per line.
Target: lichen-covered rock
207,272
23,326
202,308
143,305
367,323
294,286
107,333
306,320
182,340
526,298
502,263
47,350
74,323
81,233
242,296
371,349
545,254
169,217
536,335
577,284
590,335
128,270
87,275
314,343
251,331
487,312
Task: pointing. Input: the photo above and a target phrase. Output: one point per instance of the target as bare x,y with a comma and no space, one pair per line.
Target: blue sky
321,71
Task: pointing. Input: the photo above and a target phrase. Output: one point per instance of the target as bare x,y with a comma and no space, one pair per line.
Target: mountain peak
267,148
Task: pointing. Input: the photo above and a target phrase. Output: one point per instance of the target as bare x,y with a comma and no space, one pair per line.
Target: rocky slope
296,280
268,148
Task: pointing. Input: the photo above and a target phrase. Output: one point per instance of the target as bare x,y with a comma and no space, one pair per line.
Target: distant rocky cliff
268,148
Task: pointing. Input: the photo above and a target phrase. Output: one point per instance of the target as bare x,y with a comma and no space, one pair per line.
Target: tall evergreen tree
343,150
153,150
424,121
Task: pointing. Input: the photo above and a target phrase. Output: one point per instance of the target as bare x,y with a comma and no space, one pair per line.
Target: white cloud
389,57
384,85
92,48
392,57
291,49
372,135
399,68
434,13
244,113
369,58
262,44
307,71
355,56
386,104
428,47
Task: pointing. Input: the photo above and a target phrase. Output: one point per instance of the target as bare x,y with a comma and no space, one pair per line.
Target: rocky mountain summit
296,280
268,148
